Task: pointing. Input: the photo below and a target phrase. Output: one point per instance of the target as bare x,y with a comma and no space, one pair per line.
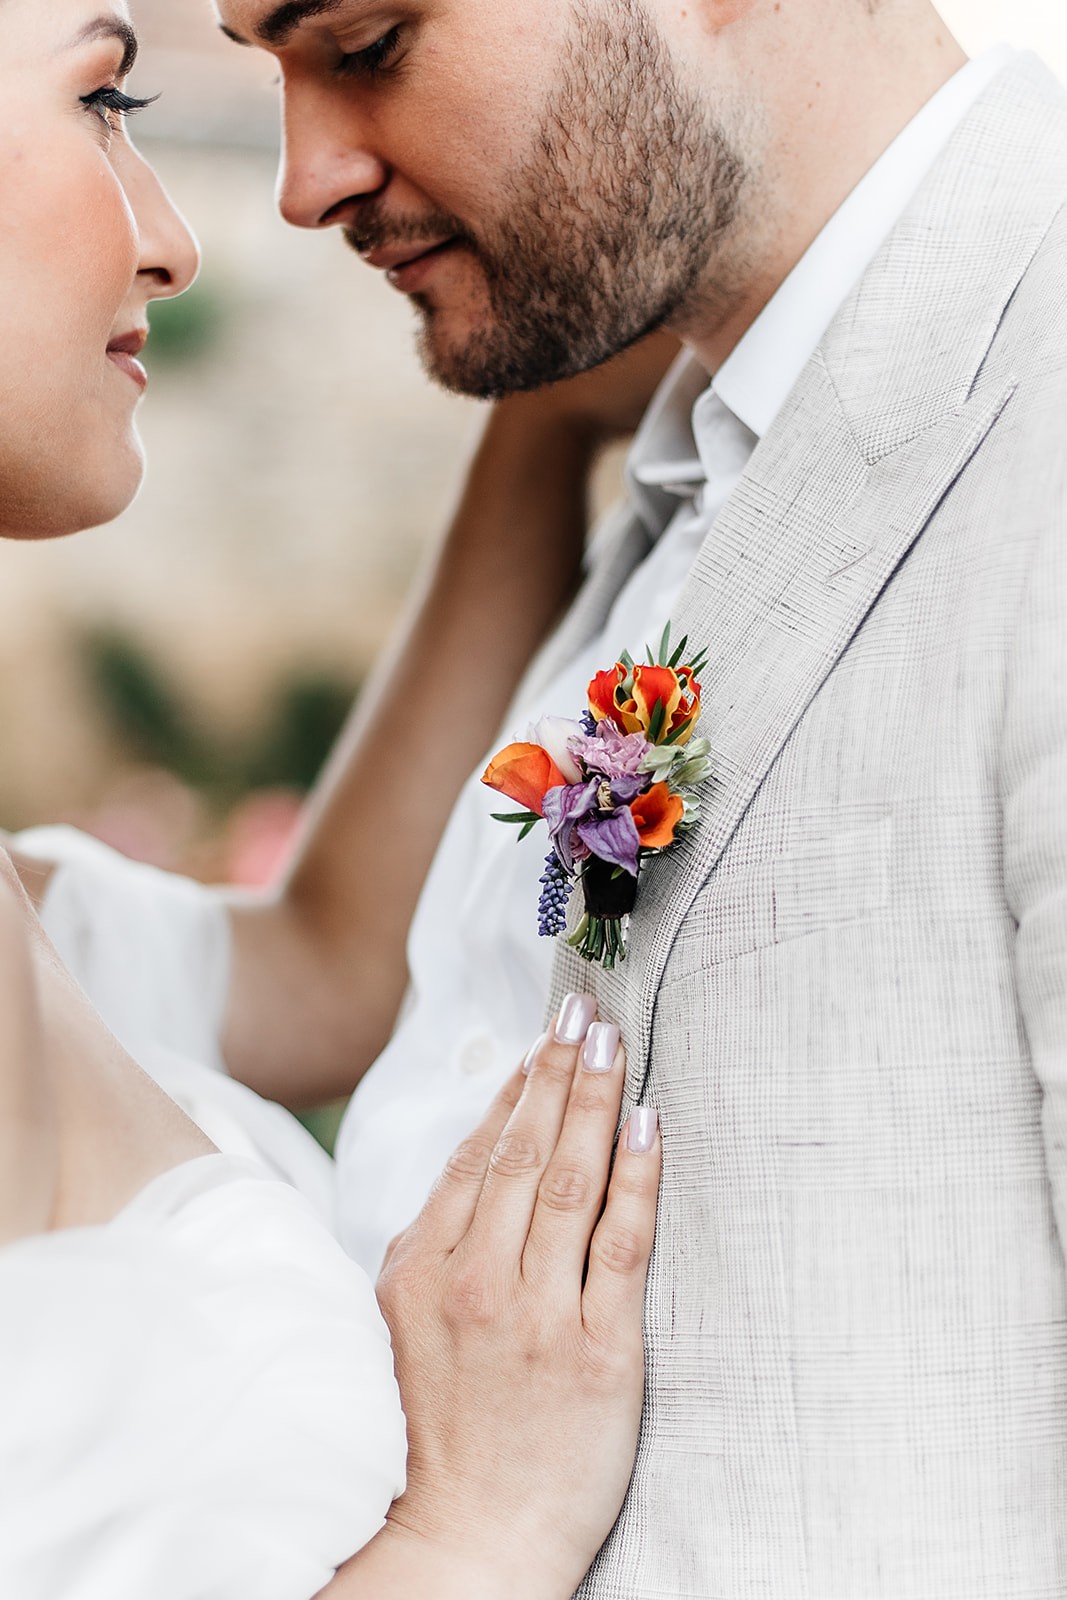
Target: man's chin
484,365
469,366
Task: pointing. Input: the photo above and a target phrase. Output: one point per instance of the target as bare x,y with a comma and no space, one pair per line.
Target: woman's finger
571,1192
619,1253
447,1215
501,1223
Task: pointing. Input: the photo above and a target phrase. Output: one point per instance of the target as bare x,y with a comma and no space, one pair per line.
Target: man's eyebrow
277,28
113,28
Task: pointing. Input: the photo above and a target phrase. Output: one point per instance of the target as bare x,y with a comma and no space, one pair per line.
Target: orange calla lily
525,773
657,814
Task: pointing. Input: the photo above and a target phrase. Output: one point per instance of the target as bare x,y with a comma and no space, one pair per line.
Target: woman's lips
130,366
123,353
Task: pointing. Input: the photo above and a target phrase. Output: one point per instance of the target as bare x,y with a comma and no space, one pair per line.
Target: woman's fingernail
527,1065
600,1048
641,1134
575,1015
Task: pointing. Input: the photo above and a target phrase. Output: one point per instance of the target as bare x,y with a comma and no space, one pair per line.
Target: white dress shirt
479,972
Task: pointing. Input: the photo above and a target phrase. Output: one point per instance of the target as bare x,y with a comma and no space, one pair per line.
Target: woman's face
87,239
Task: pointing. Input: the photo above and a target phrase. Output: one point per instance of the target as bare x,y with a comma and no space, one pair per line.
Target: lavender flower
610,752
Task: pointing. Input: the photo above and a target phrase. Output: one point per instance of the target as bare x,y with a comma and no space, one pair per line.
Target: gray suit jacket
847,992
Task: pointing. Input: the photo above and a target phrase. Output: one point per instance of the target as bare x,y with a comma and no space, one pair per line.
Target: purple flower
610,752
593,818
613,838
565,806
625,789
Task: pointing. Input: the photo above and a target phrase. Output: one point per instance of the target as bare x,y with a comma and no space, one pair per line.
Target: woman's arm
516,1304
29,1140
319,969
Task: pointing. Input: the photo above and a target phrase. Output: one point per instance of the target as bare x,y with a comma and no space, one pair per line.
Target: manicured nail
575,1015
527,1065
600,1047
641,1134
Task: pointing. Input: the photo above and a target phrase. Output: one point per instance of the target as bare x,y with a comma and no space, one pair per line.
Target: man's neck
826,137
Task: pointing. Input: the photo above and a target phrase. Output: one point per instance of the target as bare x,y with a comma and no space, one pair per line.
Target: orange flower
602,692
657,814
657,686
631,699
525,773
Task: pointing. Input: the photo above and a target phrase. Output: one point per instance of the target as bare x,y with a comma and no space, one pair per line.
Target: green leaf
627,660
664,646
679,653
655,727
527,819
526,828
678,733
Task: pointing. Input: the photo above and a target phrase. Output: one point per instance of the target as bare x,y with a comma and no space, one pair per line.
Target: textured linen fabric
847,992
479,973
197,1399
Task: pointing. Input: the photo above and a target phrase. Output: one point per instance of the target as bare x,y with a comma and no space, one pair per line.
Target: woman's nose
170,255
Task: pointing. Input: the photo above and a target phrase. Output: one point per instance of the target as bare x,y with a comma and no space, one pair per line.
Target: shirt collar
757,378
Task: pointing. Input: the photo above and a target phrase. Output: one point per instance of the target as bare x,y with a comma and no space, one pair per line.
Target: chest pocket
818,883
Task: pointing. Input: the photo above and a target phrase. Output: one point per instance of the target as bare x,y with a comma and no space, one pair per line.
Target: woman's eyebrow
112,28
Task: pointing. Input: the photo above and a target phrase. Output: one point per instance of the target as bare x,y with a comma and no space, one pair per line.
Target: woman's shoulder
226,1365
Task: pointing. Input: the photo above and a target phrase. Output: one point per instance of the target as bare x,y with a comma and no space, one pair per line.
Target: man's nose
327,166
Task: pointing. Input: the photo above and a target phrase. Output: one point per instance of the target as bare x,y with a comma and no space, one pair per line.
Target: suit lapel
885,418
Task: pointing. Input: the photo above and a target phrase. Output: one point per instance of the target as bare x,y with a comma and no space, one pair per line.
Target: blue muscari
555,893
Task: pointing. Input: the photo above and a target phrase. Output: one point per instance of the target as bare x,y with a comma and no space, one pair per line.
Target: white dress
197,1400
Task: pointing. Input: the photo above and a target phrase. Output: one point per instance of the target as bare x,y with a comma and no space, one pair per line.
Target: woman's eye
372,61
111,105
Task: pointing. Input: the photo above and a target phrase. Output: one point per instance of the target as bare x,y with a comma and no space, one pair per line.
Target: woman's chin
98,498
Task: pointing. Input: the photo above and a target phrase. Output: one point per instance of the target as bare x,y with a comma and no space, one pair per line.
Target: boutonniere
615,788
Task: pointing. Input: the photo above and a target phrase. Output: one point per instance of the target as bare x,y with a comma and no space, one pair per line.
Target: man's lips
123,351
403,264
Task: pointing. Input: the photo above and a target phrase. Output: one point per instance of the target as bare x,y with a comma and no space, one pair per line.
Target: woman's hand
516,1306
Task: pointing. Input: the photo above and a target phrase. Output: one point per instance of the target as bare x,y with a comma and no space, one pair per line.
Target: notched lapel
795,564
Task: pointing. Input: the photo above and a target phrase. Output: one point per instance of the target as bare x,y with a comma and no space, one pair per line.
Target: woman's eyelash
370,62
110,102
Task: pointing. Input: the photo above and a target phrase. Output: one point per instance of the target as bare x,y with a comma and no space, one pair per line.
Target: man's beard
609,228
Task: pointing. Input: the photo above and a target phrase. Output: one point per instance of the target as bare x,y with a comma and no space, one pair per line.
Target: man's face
539,180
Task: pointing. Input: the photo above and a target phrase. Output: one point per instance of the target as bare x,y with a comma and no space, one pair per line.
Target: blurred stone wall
299,460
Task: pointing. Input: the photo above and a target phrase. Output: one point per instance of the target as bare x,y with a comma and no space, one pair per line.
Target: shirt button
477,1056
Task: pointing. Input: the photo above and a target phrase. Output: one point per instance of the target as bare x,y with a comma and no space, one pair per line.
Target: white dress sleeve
197,1401
152,952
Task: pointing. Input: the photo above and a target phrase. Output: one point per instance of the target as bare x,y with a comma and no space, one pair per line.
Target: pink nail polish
527,1066
575,1015
642,1129
601,1045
